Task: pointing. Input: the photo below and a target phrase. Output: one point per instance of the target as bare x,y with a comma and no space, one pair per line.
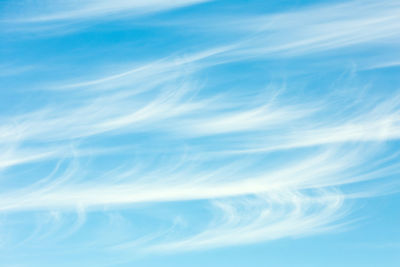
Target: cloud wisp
71,10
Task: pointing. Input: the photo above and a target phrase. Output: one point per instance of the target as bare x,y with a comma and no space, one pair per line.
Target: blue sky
199,133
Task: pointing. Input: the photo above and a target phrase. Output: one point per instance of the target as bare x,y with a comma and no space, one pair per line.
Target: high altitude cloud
207,126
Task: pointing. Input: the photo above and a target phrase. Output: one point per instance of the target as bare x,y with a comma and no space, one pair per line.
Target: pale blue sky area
199,133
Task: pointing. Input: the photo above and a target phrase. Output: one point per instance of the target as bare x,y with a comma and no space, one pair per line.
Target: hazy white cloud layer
57,10
215,144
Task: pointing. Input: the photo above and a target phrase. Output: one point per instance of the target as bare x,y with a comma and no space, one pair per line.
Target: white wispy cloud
57,18
268,162
268,217
50,11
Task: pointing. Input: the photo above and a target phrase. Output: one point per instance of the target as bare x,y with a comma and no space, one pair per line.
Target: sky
199,133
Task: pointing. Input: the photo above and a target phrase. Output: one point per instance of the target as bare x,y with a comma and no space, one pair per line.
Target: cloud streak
51,11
